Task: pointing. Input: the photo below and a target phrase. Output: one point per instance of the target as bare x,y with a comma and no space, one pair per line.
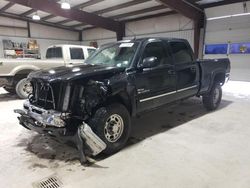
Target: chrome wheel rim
216,95
114,127
27,88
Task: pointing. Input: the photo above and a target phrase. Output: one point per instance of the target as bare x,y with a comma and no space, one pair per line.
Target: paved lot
182,146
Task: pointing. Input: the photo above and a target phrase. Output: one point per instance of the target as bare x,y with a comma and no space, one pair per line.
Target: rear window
55,52
181,52
76,53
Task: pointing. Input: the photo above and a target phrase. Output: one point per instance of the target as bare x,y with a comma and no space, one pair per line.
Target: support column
121,32
197,33
80,35
28,28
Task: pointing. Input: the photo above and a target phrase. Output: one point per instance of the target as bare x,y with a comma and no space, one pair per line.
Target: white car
13,72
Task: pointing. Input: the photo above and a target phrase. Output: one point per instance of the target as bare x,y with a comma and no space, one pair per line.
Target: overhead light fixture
219,17
36,17
65,5
229,16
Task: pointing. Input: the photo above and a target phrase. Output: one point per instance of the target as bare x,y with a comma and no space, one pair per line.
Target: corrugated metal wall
176,26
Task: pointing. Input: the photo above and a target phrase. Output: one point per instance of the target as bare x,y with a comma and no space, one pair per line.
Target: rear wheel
212,100
112,125
23,88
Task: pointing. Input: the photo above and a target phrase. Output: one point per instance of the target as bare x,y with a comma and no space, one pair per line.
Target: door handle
193,69
171,72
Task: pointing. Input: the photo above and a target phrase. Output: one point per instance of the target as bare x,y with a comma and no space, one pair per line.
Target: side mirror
149,62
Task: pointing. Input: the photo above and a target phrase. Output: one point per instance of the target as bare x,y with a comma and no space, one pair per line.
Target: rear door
155,86
76,55
187,70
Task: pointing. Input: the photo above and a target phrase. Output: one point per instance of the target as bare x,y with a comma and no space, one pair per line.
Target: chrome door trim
166,94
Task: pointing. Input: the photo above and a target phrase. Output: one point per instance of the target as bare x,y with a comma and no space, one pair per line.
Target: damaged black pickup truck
93,103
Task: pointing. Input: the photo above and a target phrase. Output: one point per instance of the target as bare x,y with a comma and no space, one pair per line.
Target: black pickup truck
93,103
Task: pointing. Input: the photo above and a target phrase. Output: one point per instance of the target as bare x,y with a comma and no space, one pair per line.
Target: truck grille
51,96
43,95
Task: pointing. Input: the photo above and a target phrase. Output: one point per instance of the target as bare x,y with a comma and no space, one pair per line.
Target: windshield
119,55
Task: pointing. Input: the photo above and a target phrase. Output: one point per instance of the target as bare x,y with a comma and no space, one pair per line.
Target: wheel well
121,98
22,74
220,78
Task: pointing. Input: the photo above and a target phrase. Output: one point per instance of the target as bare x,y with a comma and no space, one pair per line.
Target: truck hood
74,72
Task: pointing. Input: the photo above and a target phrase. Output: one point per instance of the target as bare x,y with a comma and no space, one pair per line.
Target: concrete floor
180,146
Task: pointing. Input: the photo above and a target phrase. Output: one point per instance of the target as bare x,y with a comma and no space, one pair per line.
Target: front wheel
112,125
212,100
23,88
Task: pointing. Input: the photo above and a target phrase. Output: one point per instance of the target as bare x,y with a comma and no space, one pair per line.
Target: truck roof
148,38
71,45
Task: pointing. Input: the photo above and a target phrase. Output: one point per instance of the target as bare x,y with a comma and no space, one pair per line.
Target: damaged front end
62,109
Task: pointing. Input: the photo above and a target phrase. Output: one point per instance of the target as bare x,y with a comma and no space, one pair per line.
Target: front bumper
31,124
51,122
41,117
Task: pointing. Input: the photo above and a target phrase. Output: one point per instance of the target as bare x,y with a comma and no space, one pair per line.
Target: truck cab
70,54
174,74
13,72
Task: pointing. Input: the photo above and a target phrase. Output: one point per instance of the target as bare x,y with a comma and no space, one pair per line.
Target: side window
181,52
55,52
156,49
76,53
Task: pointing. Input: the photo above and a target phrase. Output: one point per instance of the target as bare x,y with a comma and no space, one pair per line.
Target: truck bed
209,68
9,67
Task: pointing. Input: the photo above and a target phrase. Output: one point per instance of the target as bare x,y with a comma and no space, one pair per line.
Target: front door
155,86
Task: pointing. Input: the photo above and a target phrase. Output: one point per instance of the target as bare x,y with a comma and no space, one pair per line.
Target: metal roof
117,10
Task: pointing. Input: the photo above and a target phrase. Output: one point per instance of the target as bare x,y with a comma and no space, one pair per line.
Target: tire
23,88
212,100
10,90
102,121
